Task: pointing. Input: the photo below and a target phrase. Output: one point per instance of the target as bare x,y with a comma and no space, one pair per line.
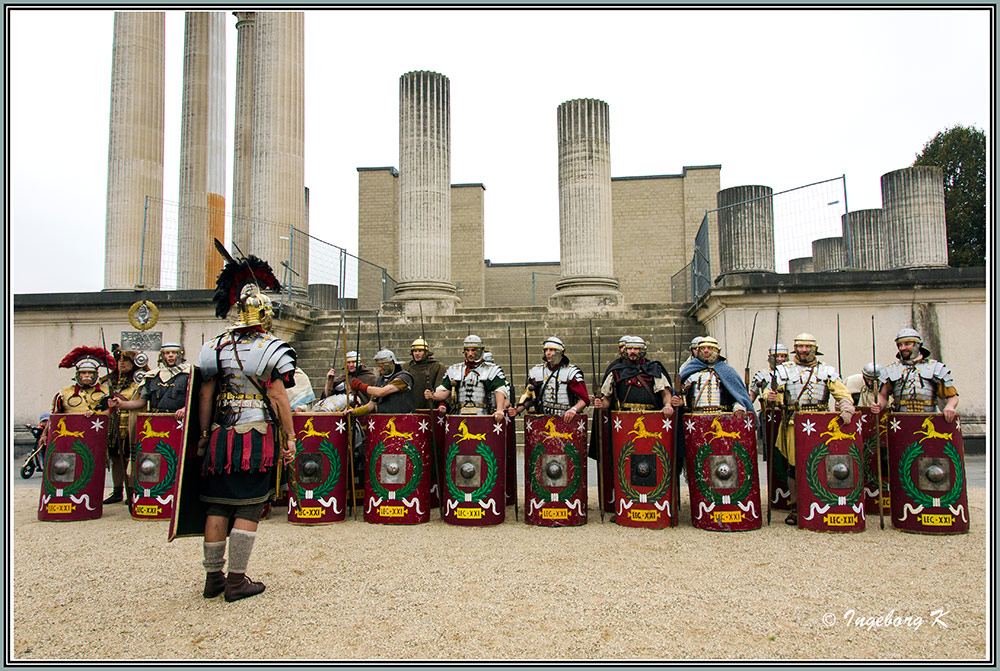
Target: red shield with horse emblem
873,433
73,477
927,474
830,479
159,441
475,470
317,480
780,494
398,481
721,457
555,471
645,479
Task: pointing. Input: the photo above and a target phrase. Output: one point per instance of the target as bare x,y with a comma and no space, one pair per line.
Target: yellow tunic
76,400
838,390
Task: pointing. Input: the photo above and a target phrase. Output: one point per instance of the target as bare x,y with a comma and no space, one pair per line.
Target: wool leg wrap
240,546
215,555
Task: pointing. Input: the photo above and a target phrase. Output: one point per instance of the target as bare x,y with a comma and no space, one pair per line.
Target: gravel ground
114,589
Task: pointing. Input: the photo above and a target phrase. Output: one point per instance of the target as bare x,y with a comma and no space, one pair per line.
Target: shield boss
840,471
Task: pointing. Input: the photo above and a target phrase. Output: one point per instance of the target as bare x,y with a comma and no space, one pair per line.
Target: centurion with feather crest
243,403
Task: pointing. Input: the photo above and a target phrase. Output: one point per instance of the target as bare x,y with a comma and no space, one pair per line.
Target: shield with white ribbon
73,476
829,479
398,480
475,470
721,456
644,479
927,474
159,441
555,471
317,479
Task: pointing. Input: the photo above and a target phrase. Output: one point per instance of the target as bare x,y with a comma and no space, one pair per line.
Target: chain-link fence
332,277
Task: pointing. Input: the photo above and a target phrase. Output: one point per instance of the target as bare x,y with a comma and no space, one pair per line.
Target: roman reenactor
124,384
165,388
474,386
426,371
392,391
916,381
242,402
86,395
806,383
777,355
636,383
335,382
555,386
711,384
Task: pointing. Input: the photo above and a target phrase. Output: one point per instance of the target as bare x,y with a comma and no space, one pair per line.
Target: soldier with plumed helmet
555,386
806,383
916,381
475,386
242,402
86,395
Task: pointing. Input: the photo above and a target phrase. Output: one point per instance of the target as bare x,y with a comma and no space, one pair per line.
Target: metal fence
802,215
333,277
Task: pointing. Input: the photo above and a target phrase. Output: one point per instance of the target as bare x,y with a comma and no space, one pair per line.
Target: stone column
277,174
746,229
242,136
425,193
585,237
828,254
135,153
913,206
864,231
201,208
803,264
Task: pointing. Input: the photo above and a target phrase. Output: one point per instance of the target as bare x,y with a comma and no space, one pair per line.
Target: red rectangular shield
645,478
73,477
475,470
721,456
159,439
555,471
436,421
830,475
317,480
927,474
398,482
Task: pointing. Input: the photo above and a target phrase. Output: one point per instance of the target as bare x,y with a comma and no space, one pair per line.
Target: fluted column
913,207
243,131
202,205
425,191
585,237
864,232
277,176
828,254
803,264
135,152
746,229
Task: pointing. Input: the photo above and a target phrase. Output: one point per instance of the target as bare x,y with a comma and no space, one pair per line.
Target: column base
434,298
587,294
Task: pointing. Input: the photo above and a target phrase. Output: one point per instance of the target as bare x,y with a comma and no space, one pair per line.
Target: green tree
960,152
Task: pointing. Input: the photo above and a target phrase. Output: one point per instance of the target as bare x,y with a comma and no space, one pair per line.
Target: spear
839,365
678,436
878,442
378,331
770,443
746,370
513,394
598,418
350,431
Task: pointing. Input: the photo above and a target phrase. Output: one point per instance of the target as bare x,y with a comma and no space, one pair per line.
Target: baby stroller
35,460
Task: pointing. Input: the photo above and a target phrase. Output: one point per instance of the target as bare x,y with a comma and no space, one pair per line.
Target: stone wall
510,284
467,246
655,220
378,230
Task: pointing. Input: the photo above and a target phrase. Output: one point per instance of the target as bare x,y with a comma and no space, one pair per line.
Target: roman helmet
622,342
695,341
555,343
474,342
773,351
353,356
709,341
421,344
171,347
636,341
242,283
912,335
88,359
807,339
385,361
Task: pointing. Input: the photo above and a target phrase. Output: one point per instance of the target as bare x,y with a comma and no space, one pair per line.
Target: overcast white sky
777,97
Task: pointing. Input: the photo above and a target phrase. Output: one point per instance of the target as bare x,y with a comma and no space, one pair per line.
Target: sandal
792,519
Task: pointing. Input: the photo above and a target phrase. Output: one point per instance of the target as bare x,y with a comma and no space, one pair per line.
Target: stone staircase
656,323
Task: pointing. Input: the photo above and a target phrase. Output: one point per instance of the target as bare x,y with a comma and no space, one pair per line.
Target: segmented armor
807,387
916,387
472,389
552,387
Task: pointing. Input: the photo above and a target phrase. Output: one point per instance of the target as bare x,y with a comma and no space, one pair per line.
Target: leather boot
215,584
115,497
239,586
